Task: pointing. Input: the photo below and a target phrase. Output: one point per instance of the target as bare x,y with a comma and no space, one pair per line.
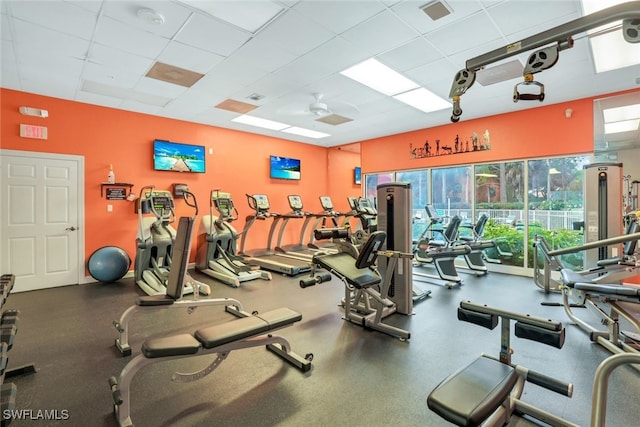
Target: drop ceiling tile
434,71
133,40
506,15
212,35
189,57
410,12
159,87
96,99
140,107
380,33
5,29
30,37
118,59
410,55
109,75
458,38
174,14
64,17
338,16
338,52
263,55
36,80
295,33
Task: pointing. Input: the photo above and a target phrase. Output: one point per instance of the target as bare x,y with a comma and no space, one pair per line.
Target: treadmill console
262,203
295,202
326,203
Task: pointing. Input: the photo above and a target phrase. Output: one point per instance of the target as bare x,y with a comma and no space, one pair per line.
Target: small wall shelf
115,184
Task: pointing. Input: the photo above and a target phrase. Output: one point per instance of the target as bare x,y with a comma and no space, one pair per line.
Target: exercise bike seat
469,396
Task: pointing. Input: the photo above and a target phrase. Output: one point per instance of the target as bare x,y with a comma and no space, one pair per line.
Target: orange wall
239,163
540,132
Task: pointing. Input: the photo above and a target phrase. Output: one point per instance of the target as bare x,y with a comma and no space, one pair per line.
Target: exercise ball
108,264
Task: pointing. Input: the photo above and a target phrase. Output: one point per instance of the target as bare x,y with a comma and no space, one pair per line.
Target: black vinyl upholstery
470,395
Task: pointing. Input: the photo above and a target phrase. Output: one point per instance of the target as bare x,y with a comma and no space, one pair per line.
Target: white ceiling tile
410,12
544,11
434,71
133,40
5,28
338,52
295,33
118,59
263,55
96,99
189,58
64,17
338,16
174,14
35,79
410,55
212,35
380,33
110,75
140,107
455,39
30,37
159,87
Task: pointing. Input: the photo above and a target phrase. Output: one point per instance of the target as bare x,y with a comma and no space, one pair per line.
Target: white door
40,199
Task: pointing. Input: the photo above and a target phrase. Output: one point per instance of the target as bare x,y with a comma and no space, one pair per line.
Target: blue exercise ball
108,264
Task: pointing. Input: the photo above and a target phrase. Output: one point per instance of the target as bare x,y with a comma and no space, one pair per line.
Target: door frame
80,235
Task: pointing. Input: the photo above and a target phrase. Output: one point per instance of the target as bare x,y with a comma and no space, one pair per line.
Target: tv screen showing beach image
172,156
285,168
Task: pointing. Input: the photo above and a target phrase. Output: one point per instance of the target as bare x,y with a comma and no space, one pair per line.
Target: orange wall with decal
239,164
540,132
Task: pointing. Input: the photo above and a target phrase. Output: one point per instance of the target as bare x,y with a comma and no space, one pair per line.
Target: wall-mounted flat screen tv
357,175
284,168
173,156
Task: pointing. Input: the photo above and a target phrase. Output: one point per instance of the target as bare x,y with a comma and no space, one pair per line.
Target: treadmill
268,258
299,250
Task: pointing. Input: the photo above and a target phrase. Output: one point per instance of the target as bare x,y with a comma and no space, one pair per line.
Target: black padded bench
218,335
469,396
219,340
576,281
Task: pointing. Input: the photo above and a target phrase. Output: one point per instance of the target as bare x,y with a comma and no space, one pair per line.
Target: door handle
72,228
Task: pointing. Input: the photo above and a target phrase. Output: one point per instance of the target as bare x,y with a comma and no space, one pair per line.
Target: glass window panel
372,180
556,204
419,180
499,193
451,191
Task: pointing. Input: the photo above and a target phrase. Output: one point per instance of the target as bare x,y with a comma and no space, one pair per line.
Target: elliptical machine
154,241
217,254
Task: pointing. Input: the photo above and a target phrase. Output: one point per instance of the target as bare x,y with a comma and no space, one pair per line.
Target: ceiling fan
334,112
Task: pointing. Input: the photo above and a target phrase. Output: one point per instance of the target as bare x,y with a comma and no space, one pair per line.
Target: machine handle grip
115,391
312,281
560,387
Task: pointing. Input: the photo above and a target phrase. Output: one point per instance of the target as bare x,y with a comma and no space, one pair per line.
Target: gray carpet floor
359,377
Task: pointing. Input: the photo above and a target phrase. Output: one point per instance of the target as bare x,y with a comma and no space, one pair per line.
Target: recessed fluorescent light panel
423,100
624,126
379,77
618,114
305,132
609,49
262,123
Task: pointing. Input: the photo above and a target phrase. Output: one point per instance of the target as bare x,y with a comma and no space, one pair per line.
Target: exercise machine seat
576,281
343,266
176,345
217,335
470,395
358,274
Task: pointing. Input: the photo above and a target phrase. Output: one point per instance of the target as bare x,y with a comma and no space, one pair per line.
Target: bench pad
246,327
176,345
343,265
615,290
470,395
